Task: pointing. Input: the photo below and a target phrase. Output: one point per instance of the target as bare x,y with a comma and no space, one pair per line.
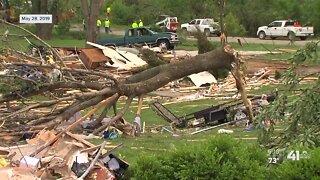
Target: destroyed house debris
214,115
69,156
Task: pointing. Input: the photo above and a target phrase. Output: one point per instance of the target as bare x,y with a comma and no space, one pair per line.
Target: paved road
278,41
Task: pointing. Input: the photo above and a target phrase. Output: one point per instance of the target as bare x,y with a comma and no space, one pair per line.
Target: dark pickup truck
143,35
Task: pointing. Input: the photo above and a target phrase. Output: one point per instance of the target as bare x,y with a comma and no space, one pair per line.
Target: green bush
218,158
63,27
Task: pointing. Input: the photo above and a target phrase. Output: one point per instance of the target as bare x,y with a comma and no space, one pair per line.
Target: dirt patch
254,65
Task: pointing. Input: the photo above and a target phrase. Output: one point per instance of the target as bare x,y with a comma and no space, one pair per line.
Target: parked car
168,23
143,35
206,26
285,28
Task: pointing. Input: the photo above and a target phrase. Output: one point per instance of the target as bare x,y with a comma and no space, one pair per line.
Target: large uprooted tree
95,88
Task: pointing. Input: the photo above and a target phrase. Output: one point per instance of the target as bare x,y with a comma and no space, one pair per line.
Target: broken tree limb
94,160
54,51
239,77
140,101
98,106
263,75
116,117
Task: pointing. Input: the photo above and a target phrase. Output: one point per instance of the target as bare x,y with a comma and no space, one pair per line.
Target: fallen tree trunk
136,85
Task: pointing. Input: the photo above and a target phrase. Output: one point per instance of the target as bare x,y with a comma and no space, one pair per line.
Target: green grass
162,142
68,39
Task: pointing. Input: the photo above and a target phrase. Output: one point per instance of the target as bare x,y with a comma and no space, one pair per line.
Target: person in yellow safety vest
98,25
140,23
134,24
108,11
107,25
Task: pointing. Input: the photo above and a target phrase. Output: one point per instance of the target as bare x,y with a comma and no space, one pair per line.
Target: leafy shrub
217,158
63,27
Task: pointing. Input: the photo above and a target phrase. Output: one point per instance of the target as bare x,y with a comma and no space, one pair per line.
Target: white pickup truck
285,28
206,26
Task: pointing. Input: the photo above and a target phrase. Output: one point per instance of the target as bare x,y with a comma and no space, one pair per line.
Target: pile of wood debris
66,155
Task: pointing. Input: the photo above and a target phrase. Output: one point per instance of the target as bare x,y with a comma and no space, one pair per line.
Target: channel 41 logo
297,155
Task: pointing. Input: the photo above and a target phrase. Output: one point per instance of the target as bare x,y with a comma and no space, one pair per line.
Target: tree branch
116,117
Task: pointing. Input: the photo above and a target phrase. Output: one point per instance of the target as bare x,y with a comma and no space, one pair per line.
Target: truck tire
303,38
184,30
262,35
163,44
291,36
207,32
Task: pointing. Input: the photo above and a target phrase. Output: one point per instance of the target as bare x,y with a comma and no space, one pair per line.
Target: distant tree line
243,17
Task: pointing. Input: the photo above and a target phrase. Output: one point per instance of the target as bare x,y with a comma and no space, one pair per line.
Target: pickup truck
285,28
143,35
206,26
168,23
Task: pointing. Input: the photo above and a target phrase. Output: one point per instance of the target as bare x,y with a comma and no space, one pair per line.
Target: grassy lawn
161,142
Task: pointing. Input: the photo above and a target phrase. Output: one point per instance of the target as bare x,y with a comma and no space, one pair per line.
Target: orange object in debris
42,137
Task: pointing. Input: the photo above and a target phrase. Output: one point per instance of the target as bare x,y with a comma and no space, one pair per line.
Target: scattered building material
212,115
92,57
64,158
202,78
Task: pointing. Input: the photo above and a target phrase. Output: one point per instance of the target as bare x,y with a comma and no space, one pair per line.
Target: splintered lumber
98,106
263,75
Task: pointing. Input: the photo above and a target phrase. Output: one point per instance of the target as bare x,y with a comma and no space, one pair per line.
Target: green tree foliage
123,14
300,114
233,26
250,14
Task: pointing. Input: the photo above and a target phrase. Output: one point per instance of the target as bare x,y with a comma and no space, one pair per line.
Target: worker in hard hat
140,23
108,11
134,24
99,23
107,25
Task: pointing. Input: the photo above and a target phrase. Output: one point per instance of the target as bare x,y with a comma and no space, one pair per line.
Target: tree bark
44,31
161,75
91,12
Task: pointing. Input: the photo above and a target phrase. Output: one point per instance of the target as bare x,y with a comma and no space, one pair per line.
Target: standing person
134,24
107,25
140,23
98,25
108,11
